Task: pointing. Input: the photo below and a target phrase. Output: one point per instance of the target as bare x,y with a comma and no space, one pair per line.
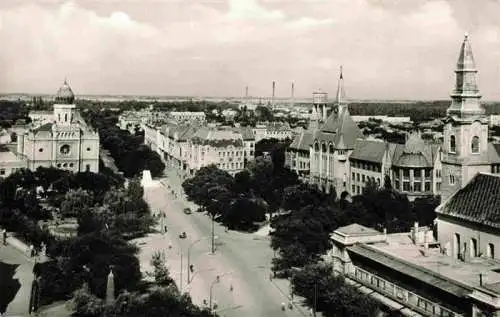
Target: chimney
274,93
246,92
292,97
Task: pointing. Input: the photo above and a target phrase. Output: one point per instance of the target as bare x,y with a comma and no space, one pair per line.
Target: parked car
187,211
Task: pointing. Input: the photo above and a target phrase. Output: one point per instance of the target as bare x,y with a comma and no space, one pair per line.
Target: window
452,144
357,177
452,179
65,165
438,187
406,173
58,165
71,164
417,186
88,149
2,171
396,184
66,117
490,251
406,186
427,186
316,147
87,167
473,248
427,173
363,178
40,149
353,175
353,188
475,145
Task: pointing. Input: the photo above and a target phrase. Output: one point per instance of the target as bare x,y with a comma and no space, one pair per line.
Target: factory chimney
274,93
292,97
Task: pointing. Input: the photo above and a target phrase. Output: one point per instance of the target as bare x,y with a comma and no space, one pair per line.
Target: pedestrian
32,250
4,235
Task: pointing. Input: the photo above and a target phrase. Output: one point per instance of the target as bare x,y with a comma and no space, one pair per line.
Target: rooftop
478,201
430,265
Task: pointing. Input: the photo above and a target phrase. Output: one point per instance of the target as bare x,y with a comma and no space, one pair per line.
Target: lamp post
315,298
216,281
213,228
189,258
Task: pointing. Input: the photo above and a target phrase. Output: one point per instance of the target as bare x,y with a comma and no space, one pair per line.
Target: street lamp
189,258
216,281
315,299
213,228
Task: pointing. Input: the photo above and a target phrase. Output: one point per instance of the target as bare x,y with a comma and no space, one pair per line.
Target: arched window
475,145
323,147
316,147
65,117
331,148
453,145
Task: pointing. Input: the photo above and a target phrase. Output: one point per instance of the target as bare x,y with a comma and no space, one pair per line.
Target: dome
65,95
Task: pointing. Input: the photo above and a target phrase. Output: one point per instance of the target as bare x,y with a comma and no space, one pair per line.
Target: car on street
187,211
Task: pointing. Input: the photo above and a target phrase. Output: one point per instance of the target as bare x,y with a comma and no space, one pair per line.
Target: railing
401,295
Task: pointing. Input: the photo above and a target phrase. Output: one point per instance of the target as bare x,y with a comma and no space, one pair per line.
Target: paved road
242,260
24,275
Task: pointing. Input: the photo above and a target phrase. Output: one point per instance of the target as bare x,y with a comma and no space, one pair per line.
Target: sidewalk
23,248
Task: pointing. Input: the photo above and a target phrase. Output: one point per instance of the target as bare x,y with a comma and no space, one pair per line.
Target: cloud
389,48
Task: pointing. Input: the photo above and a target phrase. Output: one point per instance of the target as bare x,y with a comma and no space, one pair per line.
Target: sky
389,49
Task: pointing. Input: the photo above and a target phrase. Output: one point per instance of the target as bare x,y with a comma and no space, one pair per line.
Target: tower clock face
64,149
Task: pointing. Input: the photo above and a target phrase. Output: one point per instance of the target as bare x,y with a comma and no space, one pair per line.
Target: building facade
66,142
190,147
411,274
333,154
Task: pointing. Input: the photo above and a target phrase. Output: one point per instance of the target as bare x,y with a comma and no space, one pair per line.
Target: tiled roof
47,127
369,150
247,133
414,153
478,201
340,130
217,137
302,141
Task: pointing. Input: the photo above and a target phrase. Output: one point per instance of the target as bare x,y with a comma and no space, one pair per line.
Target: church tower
465,144
64,106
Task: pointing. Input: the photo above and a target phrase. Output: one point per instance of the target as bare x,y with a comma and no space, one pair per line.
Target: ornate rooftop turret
465,96
65,95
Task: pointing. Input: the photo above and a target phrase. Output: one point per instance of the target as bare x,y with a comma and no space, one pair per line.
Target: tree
160,273
75,202
331,295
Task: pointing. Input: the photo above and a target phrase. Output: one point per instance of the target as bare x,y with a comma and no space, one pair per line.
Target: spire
465,96
465,58
340,100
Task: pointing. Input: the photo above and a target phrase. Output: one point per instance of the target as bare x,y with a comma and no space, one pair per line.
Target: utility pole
315,297
213,235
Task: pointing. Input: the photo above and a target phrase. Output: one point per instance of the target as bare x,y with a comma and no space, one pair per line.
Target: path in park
241,259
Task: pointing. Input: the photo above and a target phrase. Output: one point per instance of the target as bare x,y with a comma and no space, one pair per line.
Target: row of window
232,153
415,186
417,172
234,165
473,248
474,145
495,169
367,166
363,178
394,291
41,149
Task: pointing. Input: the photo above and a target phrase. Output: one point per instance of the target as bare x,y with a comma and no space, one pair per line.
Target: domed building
65,141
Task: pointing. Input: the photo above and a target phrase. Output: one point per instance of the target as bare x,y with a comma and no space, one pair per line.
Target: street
241,260
19,285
